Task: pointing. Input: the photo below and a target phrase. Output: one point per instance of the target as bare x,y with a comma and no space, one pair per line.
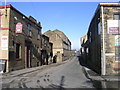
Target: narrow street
68,74
60,45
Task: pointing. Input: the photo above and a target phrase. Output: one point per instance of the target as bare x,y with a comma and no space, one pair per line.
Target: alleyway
68,74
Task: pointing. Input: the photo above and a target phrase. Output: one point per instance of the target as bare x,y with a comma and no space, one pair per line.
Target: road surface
68,74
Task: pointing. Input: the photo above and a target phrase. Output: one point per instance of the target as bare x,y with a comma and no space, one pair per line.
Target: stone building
61,44
46,50
104,39
84,49
20,39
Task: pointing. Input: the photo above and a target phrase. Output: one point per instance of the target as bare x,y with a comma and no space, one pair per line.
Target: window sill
18,59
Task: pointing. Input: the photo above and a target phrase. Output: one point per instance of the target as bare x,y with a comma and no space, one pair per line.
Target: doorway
27,57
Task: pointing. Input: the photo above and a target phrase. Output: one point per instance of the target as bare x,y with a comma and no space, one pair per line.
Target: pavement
94,76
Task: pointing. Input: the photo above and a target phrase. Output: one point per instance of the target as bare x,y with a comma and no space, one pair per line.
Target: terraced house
20,40
103,39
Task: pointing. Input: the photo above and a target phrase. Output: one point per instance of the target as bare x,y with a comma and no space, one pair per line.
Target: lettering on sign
113,30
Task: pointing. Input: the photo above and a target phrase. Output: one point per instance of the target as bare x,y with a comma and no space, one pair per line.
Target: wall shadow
82,61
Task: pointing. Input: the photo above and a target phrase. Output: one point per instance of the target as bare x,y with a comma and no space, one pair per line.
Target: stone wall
110,40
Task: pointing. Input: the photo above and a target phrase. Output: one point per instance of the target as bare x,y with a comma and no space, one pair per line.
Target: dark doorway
27,57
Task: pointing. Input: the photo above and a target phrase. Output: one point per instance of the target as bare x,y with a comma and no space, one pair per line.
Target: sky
72,18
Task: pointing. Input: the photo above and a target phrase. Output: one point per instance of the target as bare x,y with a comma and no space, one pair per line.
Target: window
87,50
29,30
38,49
90,34
18,50
99,28
13,43
90,37
90,40
117,16
38,33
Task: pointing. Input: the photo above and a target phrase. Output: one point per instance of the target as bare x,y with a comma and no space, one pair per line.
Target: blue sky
72,18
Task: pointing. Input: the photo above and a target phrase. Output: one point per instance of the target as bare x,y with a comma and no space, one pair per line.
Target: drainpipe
5,6
7,60
5,9
103,53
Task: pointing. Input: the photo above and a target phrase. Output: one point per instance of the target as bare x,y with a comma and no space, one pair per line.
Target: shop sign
19,27
113,30
113,26
4,42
